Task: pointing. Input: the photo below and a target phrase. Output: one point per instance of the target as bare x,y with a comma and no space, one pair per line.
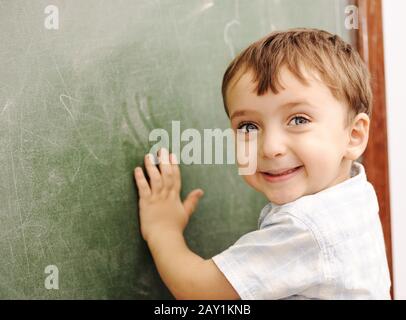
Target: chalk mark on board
234,22
11,251
130,125
42,138
59,73
61,96
17,202
141,104
77,170
18,206
41,246
65,243
206,4
8,103
65,106
93,154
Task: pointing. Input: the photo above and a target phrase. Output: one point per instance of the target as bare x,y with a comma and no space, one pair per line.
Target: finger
153,173
191,201
165,167
142,183
176,172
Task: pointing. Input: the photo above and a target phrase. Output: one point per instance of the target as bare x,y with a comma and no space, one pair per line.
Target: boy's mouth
282,172
281,176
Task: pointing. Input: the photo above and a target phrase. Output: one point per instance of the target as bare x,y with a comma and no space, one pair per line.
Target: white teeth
283,173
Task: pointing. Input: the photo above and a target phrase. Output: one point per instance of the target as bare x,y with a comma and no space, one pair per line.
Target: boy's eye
245,127
302,120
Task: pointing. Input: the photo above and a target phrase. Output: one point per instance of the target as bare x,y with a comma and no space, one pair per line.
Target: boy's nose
273,145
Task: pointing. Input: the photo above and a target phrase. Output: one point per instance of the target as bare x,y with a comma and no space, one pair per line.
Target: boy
306,94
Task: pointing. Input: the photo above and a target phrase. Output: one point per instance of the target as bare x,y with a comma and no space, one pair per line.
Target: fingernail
174,158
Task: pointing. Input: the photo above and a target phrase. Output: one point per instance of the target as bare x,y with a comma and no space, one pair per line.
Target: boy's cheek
253,181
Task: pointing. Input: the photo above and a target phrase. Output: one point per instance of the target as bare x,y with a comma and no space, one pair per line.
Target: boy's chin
275,196
280,199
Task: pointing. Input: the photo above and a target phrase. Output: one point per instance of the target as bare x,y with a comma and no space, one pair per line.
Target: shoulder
291,218
278,260
284,230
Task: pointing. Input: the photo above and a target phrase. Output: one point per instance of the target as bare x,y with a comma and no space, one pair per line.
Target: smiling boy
307,96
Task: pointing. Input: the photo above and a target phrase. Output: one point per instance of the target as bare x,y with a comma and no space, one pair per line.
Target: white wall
394,25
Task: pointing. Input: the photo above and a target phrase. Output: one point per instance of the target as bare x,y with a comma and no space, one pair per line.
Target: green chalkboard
77,104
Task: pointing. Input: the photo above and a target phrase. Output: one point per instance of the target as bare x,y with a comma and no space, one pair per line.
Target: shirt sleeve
278,261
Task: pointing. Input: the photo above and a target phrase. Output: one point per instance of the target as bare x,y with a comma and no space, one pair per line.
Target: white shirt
328,245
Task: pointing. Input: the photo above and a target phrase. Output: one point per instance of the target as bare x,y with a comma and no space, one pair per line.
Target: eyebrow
288,104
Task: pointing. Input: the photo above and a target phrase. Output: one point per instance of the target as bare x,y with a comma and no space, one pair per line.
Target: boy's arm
187,275
163,218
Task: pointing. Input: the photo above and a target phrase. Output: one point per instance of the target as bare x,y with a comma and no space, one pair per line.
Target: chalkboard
79,95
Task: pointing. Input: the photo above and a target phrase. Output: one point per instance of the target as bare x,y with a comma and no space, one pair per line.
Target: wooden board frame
375,159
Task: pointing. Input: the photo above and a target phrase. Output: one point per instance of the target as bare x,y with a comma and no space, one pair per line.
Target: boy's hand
161,208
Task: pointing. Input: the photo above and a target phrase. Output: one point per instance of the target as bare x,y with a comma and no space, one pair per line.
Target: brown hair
339,66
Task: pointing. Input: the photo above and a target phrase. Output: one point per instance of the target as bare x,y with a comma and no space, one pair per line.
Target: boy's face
310,134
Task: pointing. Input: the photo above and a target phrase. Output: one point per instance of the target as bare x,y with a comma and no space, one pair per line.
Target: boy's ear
358,136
